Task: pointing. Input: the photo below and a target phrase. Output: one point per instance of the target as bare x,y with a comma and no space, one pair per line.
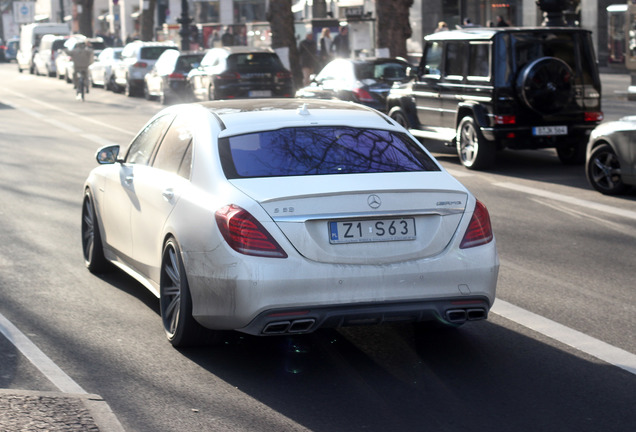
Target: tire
147,92
92,246
128,90
112,85
474,151
545,85
175,300
400,119
572,154
603,171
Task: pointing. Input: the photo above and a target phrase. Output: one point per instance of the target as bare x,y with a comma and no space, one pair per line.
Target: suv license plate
549,130
372,230
260,93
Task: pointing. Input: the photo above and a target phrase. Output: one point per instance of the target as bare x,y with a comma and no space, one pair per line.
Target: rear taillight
505,119
479,230
228,76
177,76
362,95
283,76
140,65
593,116
245,234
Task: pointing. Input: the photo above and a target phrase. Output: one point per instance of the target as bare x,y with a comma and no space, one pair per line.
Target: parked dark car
166,80
240,72
365,81
486,89
611,156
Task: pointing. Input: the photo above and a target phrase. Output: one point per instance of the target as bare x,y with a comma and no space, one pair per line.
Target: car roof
246,115
486,33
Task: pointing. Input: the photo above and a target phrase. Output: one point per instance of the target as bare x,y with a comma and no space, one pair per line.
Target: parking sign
23,12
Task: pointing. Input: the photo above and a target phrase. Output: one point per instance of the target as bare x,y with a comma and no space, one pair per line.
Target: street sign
23,12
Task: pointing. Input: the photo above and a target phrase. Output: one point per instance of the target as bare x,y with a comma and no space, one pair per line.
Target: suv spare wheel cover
545,85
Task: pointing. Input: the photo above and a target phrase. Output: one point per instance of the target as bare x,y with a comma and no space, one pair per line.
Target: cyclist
82,56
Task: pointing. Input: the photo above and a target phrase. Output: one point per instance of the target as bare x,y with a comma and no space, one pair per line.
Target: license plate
549,130
371,230
260,93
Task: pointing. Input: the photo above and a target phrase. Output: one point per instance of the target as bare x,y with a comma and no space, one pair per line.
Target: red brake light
228,76
140,65
177,76
593,116
505,119
362,95
245,234
283,75
479,230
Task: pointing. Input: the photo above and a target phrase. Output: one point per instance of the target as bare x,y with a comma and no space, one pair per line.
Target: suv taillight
593,116
140,64
362,95
479,230
228,76
177,76
505,119
245,234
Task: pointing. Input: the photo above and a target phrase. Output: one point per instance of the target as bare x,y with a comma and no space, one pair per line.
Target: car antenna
303,110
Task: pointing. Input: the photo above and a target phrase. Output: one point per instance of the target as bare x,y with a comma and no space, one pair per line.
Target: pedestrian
468,23
308,52
340,44
228,38
441,26
325,46
501,22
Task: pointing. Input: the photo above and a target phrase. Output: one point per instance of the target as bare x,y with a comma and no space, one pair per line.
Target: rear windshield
319,151
253,62
188,62
58,44
381,71
571,47
153,53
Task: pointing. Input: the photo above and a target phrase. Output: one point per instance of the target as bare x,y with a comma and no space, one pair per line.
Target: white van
30,35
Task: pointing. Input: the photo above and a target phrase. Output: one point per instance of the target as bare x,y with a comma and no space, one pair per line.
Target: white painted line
70,113
66,127
458,173
38,358
98,140
568,199
582,342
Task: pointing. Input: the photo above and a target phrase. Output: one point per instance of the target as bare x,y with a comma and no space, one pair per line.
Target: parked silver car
137,59
283,216
100,73
611,156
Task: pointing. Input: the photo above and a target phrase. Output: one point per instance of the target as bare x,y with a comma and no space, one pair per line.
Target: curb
25,410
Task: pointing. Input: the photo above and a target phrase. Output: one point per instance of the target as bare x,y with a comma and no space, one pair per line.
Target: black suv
486,89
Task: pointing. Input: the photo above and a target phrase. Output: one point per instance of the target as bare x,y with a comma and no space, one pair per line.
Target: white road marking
568,199
38,358
582,342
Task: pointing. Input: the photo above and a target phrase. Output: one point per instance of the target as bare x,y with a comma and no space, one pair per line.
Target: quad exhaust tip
458,316
289,327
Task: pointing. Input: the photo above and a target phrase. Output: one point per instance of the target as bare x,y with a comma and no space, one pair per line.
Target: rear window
188,62
254,62
381,71
567,46
320,151
153,53
58,44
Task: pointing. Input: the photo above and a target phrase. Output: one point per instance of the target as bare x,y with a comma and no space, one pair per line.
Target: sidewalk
32,411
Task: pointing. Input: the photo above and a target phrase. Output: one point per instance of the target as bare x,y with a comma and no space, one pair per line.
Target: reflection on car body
284,216
365,81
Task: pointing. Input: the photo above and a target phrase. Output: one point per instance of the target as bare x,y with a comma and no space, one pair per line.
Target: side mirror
107,155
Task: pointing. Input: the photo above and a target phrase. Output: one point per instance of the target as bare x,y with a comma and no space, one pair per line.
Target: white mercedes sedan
284,216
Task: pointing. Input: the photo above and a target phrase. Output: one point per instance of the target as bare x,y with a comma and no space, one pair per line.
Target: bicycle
82,85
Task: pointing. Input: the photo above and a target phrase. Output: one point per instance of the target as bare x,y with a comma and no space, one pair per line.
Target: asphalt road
556,354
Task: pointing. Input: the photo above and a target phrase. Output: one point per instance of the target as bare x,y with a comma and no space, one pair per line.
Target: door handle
128,180
168,194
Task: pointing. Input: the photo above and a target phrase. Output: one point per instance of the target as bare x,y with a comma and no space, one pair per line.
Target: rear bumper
259,296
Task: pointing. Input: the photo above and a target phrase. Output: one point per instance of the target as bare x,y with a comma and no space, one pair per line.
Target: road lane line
580,341
40,360
70,113
568,199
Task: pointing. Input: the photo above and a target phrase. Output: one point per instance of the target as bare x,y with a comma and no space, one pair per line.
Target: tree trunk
147,30
85,18
392,26
281,21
